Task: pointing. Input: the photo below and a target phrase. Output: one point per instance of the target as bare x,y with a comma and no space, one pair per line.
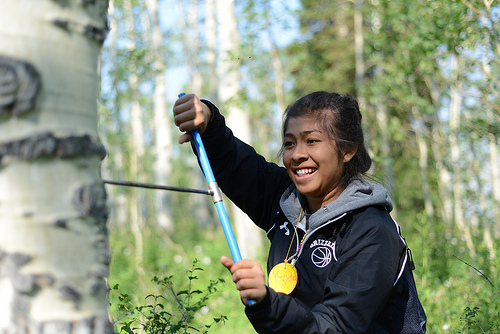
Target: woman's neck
313,204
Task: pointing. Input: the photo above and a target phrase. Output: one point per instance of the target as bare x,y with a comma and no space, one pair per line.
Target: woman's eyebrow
306,132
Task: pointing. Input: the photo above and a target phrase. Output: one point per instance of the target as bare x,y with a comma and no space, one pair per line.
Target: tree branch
480,272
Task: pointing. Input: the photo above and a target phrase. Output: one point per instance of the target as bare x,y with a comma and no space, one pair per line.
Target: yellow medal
283,278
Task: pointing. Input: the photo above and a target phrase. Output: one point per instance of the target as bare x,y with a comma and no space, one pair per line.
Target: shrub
170,311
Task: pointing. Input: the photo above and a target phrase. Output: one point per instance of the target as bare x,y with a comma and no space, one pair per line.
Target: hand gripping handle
217,196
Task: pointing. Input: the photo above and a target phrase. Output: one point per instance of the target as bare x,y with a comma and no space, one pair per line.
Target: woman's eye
312,141
287,144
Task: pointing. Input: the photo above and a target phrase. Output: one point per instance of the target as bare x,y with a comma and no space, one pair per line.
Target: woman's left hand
248,277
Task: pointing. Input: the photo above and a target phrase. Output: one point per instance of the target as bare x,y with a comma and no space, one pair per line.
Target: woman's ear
350,153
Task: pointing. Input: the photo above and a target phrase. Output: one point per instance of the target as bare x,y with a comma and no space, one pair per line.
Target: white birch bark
203,209
455,120
495,180
444,181
278,71
493,153
383,123
380,103
163,133
248,235
137,147
423,158
481,218
211,44
276,63
54,253
423,152
118,202
439,146
492,27
358,49
196,80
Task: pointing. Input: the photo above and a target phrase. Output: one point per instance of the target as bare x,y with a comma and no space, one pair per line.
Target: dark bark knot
96,33
47,145
11,264
66,3
91,200
69,293
20,84
90,30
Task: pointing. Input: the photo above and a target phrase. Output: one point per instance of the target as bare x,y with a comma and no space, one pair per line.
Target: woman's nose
300,152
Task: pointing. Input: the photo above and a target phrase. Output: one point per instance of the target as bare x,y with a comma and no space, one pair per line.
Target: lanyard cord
291,242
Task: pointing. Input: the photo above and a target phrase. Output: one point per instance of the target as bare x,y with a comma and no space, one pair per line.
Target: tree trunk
493,152
211,44
423,152
276,63
112,167
385,148
495,181
137,148
248,235
494,34
423,158
455,120
438,147
481,218
163,133
54,252
203,214
278,70
358,49
195,78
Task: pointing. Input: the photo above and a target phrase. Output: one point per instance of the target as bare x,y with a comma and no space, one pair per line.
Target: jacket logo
323,253
286,228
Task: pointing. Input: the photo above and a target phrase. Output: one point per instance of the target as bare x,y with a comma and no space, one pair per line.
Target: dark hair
340,117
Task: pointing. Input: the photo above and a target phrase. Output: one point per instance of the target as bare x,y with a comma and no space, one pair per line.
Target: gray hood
358,194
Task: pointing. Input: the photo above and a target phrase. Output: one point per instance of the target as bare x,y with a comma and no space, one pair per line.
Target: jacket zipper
313,231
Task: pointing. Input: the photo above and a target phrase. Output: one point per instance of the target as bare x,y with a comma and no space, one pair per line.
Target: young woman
337,263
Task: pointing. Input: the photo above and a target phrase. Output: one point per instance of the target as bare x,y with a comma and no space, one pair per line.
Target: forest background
426,74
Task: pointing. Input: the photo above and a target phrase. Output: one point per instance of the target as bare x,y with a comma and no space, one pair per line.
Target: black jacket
350,263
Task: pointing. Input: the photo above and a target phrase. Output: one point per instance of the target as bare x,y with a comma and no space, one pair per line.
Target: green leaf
127,329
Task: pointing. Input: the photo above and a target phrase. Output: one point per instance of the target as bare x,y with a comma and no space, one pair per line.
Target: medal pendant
283,278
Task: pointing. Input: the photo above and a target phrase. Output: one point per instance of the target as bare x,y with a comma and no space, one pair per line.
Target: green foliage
323,59
408,45
471,320
456,297
182,306
170,256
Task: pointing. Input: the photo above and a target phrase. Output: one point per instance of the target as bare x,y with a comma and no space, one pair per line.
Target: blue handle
219,205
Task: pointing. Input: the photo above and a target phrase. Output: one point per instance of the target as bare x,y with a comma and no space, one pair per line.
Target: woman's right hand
248,277
189,114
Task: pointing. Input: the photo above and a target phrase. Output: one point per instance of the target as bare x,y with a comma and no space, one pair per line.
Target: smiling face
312,161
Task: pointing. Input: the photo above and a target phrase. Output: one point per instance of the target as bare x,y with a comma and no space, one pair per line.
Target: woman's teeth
304,171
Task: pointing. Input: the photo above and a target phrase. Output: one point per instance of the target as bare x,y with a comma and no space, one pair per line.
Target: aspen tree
54,252
137,146
163,133
229,85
